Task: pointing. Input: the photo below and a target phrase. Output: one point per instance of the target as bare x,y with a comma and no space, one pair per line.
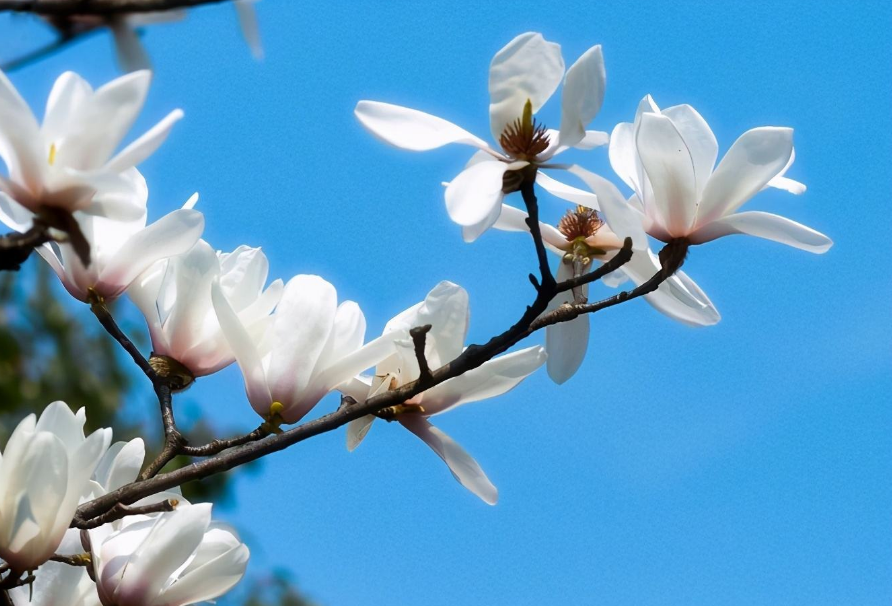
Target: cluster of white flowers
294,342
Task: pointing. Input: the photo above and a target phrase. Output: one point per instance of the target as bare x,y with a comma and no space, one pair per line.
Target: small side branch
100,310
104,8
217,446
174,441
621,258
15,248
79,560
419,338
120,511
528,191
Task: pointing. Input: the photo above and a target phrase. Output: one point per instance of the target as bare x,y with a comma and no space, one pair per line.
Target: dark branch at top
102,8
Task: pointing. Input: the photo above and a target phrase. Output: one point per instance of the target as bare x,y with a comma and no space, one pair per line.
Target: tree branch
419,338
120,511
104,8
527,190
100,310
217,446
46,51
174,441
15,248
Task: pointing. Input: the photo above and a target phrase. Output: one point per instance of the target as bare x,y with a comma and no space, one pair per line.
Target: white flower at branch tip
667,158
44,470
309,347
523,76
67,162
121,250
174,295
171,559
445,309
581,239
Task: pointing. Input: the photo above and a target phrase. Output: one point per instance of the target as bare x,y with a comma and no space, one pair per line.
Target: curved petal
210,580
784,183
624,220
756,157
20,140
582,96
566,342
567,192
515,220
12,214
129,50
171,235
146,145
245,351
357,430
470,233
623,156
446,308
528,68
670,170
494,378
463,467
472,195
66,98
768,226
120,464
699,138
411,129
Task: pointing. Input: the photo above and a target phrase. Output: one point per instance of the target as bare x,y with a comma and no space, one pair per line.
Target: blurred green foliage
51,348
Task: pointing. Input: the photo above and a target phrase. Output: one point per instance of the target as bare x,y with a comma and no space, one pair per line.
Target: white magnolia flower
522,77
44,471
445,309
174,295
121,250
58,584
582,240
310,346
667,158
68,162
172,559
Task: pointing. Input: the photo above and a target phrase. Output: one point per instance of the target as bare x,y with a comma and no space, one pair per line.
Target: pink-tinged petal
670,170
754,160
624,219
171,235
411,129
567,192
463,467
768,226
494,378
699,139
475,192
245,350
566,342
528,68
582,96
146,145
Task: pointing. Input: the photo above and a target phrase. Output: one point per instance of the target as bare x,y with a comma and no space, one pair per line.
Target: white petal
699,138
20,140
120,464
593,139
446,309
171,235
768,226
566,342
567,192
211,579
515,220
623,156
475,192
146,145
756,157
624,219
582,96
357,429
782,182
69,92
128,48
463,467
493,378
411,129
670,169
527,69
245,351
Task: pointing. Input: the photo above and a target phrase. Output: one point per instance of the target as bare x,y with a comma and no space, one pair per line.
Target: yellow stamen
52,154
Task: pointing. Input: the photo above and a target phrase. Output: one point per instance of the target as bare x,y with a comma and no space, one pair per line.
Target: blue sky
748,463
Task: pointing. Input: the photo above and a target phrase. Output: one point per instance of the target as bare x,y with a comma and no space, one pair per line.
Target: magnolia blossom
522,77
310,346
667,158
57,583
44,470
67,162
121,250
171,559
445,309
174,295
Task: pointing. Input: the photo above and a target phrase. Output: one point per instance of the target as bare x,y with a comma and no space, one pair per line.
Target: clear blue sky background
749,463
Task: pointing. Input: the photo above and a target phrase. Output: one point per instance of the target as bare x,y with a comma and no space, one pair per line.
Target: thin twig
100,310
217,446
121,510
79,560
621,258
96,7
419,337
174,441
48,50
527,190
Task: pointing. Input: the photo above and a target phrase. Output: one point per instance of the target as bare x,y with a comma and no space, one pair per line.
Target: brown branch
527,190
621,258
419,338
217,446
79,560
174,441
47,50
15,248
100,310
121,510
103,8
